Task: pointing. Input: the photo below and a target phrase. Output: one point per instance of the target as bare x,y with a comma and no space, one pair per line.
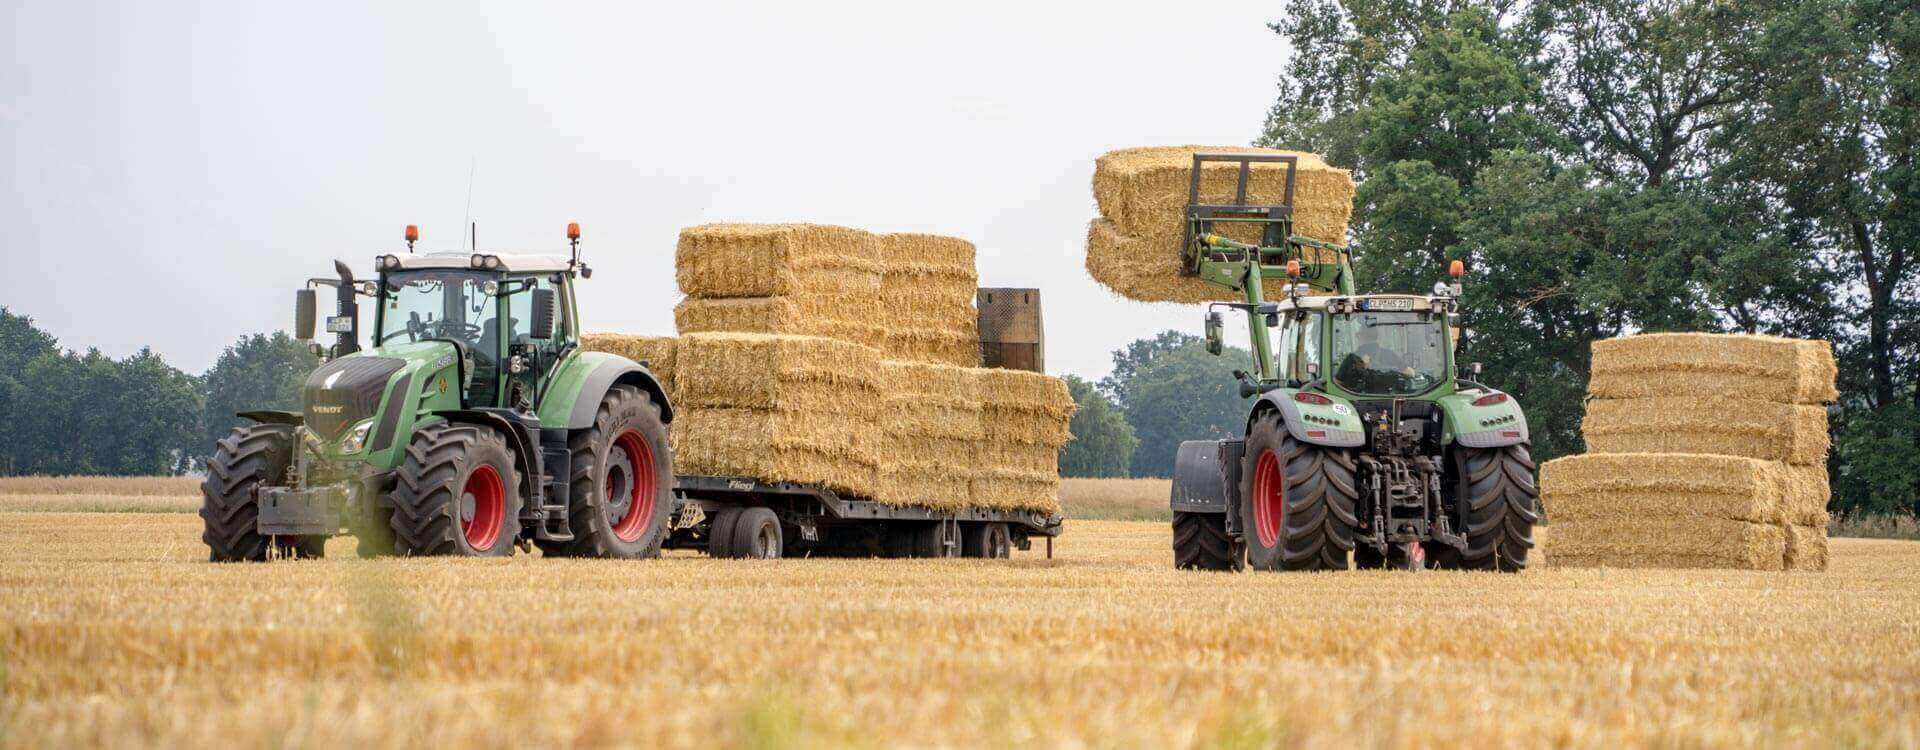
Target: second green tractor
1366,439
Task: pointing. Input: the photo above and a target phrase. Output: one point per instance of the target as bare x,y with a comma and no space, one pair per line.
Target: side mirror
305,312
1216,331
543,306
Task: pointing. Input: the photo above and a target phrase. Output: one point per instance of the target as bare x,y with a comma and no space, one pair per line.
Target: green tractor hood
355,406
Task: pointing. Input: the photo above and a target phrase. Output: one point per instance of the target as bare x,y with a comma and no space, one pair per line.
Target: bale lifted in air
1362,439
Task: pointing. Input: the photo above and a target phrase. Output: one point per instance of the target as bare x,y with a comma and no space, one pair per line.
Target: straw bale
829,450
1666,542
767,260
1021,457
1794,433
763,371
825,315
957,347
1143,191
1806,495
1806,547
1016,490
1022,389
909,255
930,401
656,352
928,485
1620,486
1148,269
1706,365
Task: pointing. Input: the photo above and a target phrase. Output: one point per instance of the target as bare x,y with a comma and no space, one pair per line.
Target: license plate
1387,305
339,324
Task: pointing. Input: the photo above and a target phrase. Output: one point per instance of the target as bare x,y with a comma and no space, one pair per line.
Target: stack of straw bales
1024,418
1709,450
780,408
836,357
1134,247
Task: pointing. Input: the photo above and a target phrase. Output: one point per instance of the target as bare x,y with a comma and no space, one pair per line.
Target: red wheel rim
483,508
1269,499
631,474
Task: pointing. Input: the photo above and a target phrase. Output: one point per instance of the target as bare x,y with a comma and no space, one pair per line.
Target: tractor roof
509,262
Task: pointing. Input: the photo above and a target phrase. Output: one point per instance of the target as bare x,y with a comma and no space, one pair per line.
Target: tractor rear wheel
249,457
1495,505
1297,501
1200,542
621,495
458,494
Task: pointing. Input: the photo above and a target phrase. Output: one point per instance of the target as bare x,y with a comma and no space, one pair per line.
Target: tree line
69,412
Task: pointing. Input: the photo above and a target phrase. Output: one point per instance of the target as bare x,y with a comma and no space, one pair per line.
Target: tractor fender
1492,426
273,416
579,384
1206,476
1335,424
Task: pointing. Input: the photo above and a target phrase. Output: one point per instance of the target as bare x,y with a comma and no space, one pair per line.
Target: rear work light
1490,399
1312,398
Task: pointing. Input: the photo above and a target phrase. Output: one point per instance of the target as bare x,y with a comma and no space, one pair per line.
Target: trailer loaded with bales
825,398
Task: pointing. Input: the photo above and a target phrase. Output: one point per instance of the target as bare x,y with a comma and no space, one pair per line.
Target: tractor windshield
1388,353
436,304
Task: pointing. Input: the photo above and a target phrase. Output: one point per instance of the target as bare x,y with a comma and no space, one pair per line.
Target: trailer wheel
937,539
457,494
756,534
1200,542
621,490
720,532
988,540
1495,505
1297,507
249,457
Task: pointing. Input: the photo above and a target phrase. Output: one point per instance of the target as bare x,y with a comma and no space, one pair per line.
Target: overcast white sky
175,170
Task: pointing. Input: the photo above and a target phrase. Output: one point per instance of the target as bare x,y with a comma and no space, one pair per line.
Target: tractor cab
1382,346
508,317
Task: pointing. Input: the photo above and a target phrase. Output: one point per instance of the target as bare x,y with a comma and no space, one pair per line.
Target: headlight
357,437
389,262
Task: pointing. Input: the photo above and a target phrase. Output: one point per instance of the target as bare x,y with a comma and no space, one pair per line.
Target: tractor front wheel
1296,501
621,493
250,457
1495,505
458,494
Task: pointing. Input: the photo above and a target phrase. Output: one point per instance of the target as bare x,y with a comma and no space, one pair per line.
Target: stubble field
114,631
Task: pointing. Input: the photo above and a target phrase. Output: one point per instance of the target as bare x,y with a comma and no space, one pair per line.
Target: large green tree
21,342
1103,442
259,371
1171,390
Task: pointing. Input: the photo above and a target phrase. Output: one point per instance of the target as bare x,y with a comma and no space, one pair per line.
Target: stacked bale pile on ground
1134,248
1024,417
1708,450
781,408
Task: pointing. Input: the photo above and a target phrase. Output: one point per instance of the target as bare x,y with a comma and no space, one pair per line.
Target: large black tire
937,539
988,540
621,497
1296,501
720,532
1496,503
458,494
756,534
250,456
1200,542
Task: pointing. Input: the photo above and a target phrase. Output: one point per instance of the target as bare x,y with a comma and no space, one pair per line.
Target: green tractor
472,424
1363,438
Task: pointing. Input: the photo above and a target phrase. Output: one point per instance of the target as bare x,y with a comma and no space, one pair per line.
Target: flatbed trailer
745,517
